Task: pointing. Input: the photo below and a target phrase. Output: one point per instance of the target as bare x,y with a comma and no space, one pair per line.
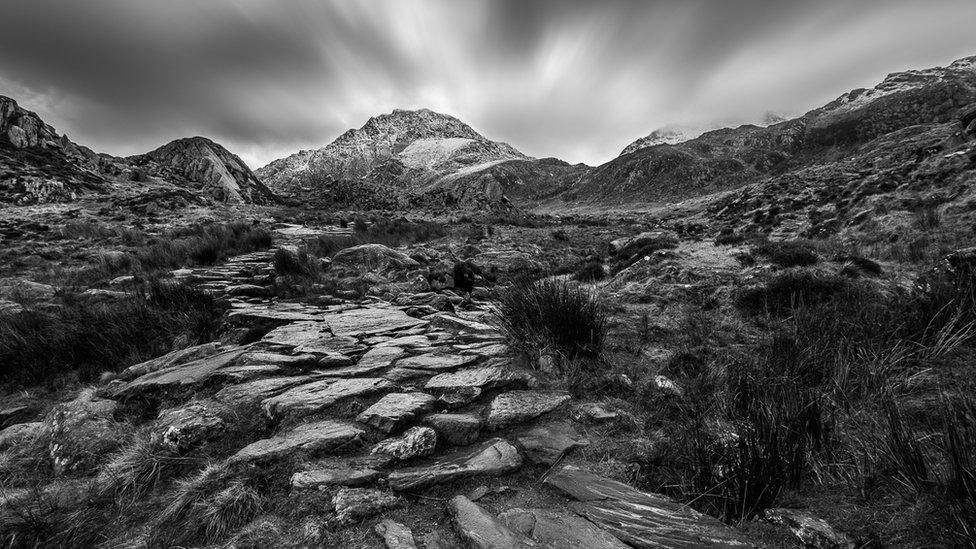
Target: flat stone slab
174,358
641,519
518,406
312,337
178,378
355,504
545,444
455,429
371,320
435,362
318,395
483,377
278,312
495,457
376,359
395,410
415,442
458,324
480,529
395,535
310,438
253,392
336,476
307,360
557,530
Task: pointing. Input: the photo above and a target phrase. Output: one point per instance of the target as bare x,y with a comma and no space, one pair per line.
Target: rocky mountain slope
673,134
730,158
408,159
38,165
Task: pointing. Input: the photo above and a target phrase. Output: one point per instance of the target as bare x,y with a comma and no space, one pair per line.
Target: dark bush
553,316
300,264
465,274
559,235
729,239
784,291
88,337
785,253
591,271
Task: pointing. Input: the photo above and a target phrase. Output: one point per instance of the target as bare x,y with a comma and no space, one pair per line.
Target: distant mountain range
423,159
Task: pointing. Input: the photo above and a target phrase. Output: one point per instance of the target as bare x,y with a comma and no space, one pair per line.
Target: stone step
494,457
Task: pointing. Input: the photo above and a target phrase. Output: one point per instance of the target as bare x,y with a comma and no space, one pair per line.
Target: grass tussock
554,317
785,253
85,337
392,233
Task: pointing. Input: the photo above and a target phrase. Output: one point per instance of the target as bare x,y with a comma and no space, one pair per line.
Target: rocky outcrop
207,167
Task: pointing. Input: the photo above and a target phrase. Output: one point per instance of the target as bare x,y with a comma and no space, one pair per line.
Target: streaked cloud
575,79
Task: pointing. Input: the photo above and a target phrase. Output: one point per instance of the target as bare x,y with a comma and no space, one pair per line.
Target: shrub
729,239
465,274
785,253
784,291
642,246
88,337
553,316
591,271
300,264
559,235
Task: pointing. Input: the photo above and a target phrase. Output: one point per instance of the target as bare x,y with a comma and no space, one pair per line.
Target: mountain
407,159
729,158
38,165
673,134
210,168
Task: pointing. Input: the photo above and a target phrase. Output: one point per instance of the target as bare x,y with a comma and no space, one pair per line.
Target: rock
311,337
457,324
495,457
174,358
372,320
546,444
395,535
455,429
335,476
666,385
592,412
641,519
557,530
185,427
252,393
16,414
372,258
415,442
247,290
483,377
122,280
318,395
393,411
812,531
664,239
10,307
176,380
310,438
518,406
478,493
354,504
377,358
82,433
480,530
20,433
435,362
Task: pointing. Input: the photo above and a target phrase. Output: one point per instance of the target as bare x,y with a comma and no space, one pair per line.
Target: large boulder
372,258
82,433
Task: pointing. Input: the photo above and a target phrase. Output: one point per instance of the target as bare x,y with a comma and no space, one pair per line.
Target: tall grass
553,316
86,337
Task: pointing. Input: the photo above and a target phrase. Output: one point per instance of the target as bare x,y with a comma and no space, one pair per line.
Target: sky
574,79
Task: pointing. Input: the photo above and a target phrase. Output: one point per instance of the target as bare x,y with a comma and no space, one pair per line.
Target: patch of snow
429,152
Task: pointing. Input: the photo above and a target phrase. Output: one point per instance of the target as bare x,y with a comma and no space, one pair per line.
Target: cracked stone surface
415,442
353,504
318,395
518,406
310,438
558,530
395,410
494,457
480,529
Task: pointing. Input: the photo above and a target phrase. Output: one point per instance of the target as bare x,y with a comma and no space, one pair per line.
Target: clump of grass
137,470
301,264
554,317
591,271
642,246
785,253
88,337
204,509
392,233
789,289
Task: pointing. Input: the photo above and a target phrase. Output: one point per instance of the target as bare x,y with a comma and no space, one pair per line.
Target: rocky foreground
408,421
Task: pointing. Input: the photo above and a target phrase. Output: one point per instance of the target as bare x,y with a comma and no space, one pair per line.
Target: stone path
381,405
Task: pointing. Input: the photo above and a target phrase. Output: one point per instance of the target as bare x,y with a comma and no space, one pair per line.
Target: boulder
811,531
455,429
82,433
355,504
333,476
480,529
319,395
393,411
376,359
495,457
395,535
372,258
553,529
185,427
176,380
20,433
518,406
642,519
482,377
546,444
415,442
328,436
175,358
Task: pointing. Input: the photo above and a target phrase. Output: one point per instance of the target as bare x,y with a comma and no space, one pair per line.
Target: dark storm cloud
576,79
